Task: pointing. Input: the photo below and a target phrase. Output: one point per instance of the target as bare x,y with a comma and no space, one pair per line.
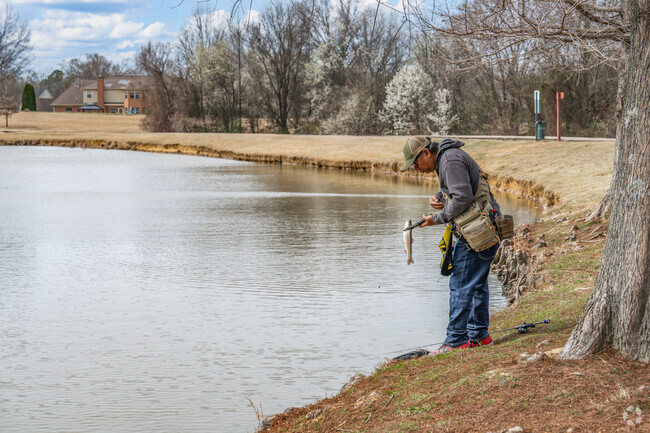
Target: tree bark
606,203
618,311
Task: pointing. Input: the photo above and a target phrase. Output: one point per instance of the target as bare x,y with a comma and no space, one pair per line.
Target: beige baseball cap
412,149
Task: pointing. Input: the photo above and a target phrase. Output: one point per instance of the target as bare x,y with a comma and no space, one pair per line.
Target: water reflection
145,292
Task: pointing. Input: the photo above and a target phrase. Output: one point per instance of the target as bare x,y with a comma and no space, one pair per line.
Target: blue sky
62,29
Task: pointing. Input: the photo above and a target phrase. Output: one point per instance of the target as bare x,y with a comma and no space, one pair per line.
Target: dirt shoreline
525,189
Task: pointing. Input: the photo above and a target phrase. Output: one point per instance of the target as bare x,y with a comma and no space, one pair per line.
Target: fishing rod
416,224
521,329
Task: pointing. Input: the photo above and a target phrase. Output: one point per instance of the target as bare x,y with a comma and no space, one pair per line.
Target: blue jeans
469,296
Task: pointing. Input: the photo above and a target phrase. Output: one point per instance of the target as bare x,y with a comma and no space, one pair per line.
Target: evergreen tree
29,98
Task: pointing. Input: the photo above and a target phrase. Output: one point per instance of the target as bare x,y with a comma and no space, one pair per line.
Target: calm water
156,293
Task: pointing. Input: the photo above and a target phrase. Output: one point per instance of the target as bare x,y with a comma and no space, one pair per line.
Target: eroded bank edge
506,184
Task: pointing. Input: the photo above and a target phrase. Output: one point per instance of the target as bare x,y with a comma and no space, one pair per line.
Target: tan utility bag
505,226
476,225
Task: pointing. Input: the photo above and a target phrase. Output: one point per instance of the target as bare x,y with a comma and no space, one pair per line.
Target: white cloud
217,20
61,34
125,29
85,26
252,17
153,31
125,44
122,57
75,26
63,27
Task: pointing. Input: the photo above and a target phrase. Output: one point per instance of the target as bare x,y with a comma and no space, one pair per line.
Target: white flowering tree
214,69
355,117
324,78
405,108
442,119
413,105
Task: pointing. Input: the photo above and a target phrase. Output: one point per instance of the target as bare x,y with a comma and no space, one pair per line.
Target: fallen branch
389,400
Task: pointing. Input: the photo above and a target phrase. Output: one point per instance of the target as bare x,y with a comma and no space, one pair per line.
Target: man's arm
457,180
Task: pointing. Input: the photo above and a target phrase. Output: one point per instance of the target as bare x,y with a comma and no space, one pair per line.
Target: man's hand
435,203
428,220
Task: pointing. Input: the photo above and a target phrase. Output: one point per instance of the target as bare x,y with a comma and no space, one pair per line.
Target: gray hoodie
459,177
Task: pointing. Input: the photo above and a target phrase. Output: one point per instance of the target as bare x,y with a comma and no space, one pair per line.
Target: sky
62,30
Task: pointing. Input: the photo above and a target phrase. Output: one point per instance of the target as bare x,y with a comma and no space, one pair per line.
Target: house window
119,110
113,110
135,94
126,95
68,109
89,94
137,111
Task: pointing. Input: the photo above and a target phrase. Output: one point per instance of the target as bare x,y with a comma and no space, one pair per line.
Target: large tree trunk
606,203
618,311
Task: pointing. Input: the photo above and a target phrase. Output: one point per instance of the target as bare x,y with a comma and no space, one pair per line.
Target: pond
147,292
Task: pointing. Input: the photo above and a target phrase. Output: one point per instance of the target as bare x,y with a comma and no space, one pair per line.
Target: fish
408,243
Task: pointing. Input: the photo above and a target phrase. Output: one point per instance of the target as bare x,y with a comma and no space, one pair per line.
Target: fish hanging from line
408,243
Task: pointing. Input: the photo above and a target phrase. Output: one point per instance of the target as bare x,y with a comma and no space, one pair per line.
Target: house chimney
100,92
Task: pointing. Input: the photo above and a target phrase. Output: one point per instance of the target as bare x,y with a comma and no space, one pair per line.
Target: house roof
122,83
73,95
43,93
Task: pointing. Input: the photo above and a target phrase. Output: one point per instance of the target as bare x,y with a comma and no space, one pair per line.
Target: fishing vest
478,225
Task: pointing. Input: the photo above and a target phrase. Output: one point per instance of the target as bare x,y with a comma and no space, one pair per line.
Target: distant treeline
345,68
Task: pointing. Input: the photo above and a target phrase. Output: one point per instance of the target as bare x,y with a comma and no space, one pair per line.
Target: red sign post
559,96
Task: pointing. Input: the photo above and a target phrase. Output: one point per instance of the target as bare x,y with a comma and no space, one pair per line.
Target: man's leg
461,293
479,319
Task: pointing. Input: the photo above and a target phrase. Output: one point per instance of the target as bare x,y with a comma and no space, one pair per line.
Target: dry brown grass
578,172
90,122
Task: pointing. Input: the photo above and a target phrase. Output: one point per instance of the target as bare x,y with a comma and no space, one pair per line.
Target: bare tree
380,52
280,45
53,82
14,58
14,43
237,41
355,50
205,29
10,96
93,66
618,312
492,69
359,50
155,60
217,67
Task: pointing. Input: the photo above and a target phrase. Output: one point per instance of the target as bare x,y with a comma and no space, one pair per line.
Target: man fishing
464,200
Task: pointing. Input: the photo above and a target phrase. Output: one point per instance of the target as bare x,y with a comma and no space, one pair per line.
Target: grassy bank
477,390
573,173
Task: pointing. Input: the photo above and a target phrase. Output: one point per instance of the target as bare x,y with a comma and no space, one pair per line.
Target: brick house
44,100
119,95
